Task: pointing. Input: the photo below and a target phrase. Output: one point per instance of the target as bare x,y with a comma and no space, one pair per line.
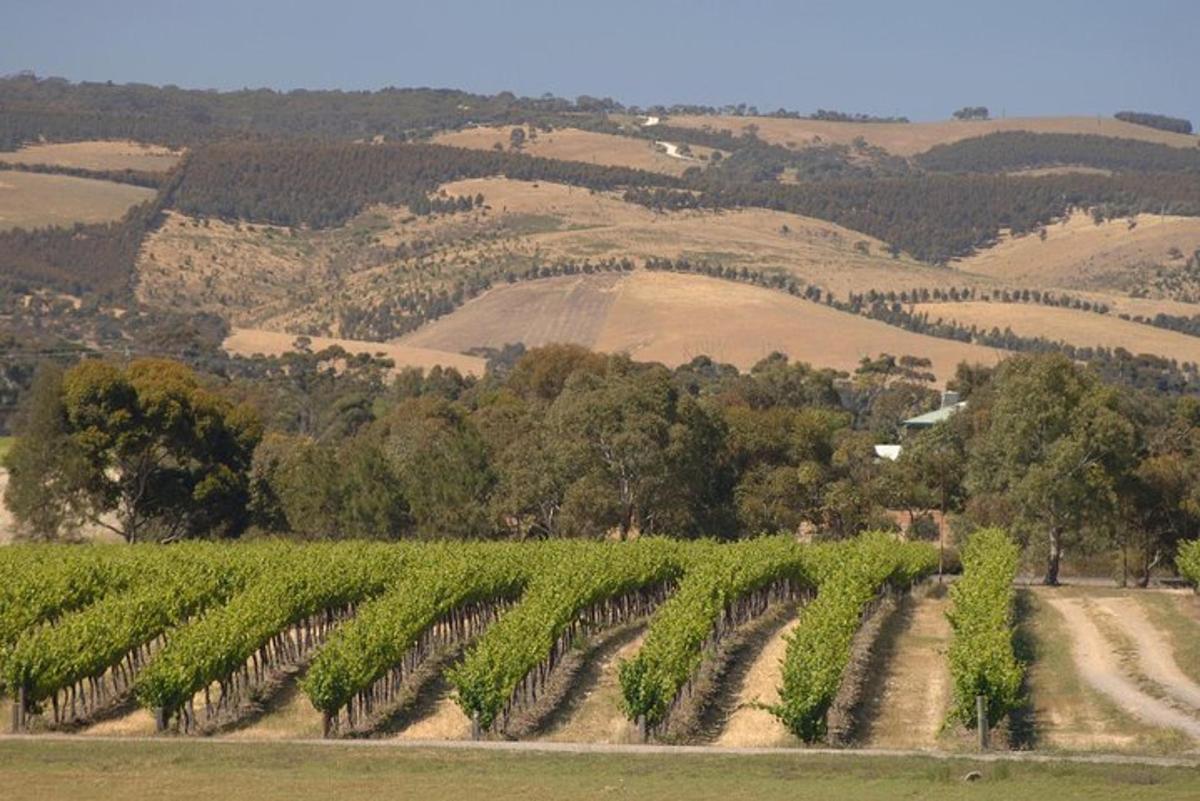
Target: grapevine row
42,583
982,661
277,622
727,586
851,576
578,588
368,663
1189,561
89,659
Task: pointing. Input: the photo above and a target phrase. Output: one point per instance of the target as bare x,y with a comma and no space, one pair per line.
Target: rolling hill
673,318
909,139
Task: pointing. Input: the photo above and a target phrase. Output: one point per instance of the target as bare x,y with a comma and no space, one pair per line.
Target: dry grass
907,139
273,278
98,155
276,279
1078,253
1068,325
248,342
33,200
572,144
672,318
8,526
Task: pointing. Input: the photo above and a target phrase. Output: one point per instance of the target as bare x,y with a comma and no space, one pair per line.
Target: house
950,406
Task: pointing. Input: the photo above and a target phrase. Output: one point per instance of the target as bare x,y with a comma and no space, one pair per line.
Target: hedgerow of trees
1159,121
1017,150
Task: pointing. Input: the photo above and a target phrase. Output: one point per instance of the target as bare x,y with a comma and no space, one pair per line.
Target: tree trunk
1054,558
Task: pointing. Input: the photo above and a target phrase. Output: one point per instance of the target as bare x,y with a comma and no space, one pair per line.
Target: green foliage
850,575
172,585
1056,444
44,583
147,452
1188,561
675,644
383,630
981,655
296,584
1015,150
568,579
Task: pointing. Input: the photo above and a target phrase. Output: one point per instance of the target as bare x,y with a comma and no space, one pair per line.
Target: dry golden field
1068,325
672,318
907,139
34,200
98,155
572,144
248,342
1079,254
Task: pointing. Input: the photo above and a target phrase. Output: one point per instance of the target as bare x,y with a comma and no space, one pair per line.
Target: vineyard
201,635
351,639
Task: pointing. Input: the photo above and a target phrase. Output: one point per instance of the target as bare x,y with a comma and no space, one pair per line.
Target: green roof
933,418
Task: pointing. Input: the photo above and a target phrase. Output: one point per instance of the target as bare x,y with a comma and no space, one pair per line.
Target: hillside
573,144
1080,328
36,200
330,281
1121,256
250,342
909,139
673,318
97,156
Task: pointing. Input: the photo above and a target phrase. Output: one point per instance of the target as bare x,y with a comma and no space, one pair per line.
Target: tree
147,452
442,462
615,429
1160,496
43,463
517,138
1053,440
936,460
971,113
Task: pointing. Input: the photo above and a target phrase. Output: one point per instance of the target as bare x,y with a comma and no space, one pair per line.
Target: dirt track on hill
1098,665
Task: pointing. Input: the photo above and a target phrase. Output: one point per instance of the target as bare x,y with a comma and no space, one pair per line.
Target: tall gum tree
1052,439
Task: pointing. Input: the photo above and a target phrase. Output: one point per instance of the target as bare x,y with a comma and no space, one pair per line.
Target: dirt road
1098,665
592,711
1155,655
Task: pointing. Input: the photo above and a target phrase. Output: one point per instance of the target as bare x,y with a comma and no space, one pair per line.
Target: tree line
1159,121
1017,150
563,442
324,184
937,217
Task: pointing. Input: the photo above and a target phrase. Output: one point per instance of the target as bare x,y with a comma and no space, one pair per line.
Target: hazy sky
920,58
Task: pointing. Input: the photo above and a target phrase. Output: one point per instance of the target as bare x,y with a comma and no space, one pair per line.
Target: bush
1188,561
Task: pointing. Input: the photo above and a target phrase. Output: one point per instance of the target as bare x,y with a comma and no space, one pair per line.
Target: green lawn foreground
82,770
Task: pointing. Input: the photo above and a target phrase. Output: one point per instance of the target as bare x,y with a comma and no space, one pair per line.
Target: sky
918,58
